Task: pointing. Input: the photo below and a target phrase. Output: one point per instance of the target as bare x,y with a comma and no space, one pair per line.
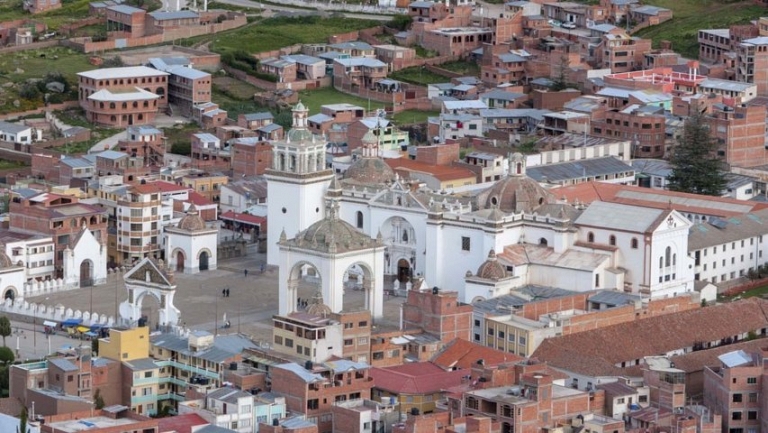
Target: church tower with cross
297,181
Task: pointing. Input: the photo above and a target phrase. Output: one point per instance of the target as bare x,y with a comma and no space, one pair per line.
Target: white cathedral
482,244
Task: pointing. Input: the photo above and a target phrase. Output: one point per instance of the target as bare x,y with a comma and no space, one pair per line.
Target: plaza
249,308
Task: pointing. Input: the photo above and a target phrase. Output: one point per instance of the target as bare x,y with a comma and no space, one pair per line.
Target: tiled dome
192,220
491,269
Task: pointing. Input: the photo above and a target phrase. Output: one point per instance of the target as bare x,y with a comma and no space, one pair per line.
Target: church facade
482,244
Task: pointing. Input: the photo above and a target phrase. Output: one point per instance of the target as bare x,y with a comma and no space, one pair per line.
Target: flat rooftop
97,422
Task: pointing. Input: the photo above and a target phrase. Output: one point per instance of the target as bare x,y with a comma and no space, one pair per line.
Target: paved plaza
249,308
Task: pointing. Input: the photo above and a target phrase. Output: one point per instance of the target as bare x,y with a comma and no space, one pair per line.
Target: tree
98,400
5,328
22,421
560,82
6,355
696,168
400,22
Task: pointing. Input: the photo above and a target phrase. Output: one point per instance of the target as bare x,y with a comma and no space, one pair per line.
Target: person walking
245,271
223,293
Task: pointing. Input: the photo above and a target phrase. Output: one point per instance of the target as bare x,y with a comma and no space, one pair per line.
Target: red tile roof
243,218
598,352
416,378
198,199
461,353
654,198
440,172
181,423
158,186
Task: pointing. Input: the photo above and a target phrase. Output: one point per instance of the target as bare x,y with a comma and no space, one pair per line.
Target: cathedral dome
332,234
5,261
491,269
295,135
370,171
192,220
317,307
517,192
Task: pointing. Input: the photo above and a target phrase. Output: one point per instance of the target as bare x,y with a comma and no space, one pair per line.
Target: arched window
112,118
634,243
146,104
111,105
125,105
668,256
543,242
405,235
135,104
359,219
141,117
160,92
590,237
612,240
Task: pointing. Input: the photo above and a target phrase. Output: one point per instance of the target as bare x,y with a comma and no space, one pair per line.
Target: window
736,416
612,240
634,243
362,324
348,342
753,397
752,414
590,237
477,323
288,342
359,219
465,243
737,398
752,380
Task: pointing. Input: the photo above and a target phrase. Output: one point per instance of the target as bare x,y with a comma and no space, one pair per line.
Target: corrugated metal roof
582,169
616,216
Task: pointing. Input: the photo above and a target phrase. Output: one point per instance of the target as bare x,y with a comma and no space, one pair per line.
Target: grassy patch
423,52
692,15
462,67
314,99
413,116
5,164
275,33
418,75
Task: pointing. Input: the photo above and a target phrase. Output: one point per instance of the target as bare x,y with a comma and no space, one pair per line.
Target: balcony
143,399
186,367
145,381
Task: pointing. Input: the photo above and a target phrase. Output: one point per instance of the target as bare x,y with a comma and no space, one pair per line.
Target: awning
91,334
83,329
49,324
97,327
71,322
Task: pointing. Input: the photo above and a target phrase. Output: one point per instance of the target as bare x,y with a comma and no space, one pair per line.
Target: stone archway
149,304
10,293
399,237
204,257
357,292
180,260
304,281
86,273
404,271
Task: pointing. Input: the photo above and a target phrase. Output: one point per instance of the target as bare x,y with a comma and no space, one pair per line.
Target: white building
34,252
85,260
20,134
190,246
442,237
12,277
225,407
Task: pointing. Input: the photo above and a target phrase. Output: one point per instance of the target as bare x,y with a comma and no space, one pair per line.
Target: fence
32,46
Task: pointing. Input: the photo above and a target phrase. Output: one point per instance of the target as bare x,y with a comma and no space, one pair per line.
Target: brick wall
442,154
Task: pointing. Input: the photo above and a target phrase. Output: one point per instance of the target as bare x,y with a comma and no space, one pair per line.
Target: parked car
568,26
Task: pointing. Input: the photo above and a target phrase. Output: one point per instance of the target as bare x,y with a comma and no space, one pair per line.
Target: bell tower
296,182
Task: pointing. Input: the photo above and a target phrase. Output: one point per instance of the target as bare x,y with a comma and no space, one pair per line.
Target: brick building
648,129
438,313
61,217
752,63
312,389
415,386
736,390
252,156
126,21
38,6
740,133
123,96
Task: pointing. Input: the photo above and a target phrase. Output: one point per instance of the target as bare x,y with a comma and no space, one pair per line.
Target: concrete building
313,389
19,134
190,246
752,63
65,219
123,96
740,133
736,390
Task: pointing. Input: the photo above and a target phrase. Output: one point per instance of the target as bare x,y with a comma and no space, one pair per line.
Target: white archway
149,278
399,237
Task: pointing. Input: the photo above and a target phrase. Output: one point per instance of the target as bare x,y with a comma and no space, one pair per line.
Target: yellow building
208,185
515,334
417,386
125,344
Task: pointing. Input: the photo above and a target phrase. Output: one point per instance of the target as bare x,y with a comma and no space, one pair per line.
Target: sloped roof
598,352
588,192
416,378
462,354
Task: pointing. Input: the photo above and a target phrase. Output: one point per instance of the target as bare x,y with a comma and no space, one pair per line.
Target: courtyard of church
252,300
